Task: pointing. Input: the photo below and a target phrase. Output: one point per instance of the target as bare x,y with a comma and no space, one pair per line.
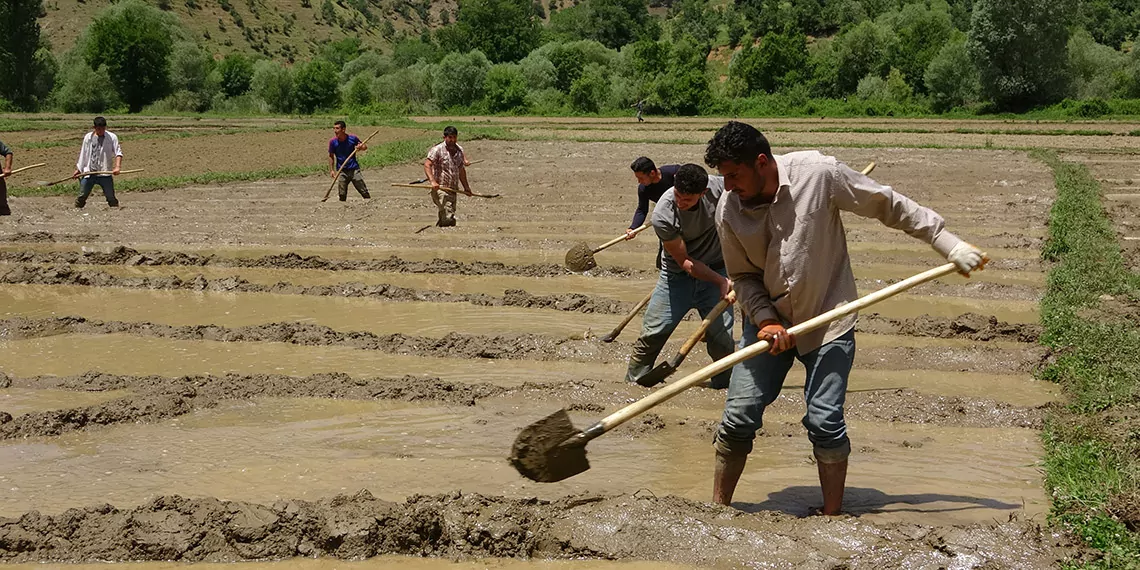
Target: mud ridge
462,526
66,275
122,255
971,326
157,398
453,345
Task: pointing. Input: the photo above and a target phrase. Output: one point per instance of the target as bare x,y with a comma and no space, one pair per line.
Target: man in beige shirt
786,252
446,167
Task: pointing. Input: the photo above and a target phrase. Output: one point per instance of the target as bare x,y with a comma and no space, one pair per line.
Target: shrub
506,88
410,85
315,86
84,90
951,78
538,71
358,91
370,63
589,92
133,40
237,74
273,84
458,79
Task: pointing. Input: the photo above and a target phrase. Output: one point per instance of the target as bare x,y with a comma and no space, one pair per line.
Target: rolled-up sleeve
747,279
859,194
115,148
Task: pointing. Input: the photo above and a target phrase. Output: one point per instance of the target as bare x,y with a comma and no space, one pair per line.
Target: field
231,365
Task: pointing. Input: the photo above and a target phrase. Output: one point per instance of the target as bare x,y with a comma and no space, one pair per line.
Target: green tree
341,51
1015,45
503,30
506,88
84,90
921,32
1097,70
589,92
370,63
19,41
862,50
613,23
780,60
358,91
315,86
684,88
951,78
133,40
237,74
539,71
458,79
273,84
409,51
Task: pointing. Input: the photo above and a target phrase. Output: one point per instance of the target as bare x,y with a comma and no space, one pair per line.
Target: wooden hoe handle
342,165
696,337
620,238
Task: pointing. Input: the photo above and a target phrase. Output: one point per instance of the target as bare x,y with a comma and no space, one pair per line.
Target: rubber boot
726,475
832,478
80,202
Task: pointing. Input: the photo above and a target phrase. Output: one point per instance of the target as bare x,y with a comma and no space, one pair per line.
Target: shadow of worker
801,501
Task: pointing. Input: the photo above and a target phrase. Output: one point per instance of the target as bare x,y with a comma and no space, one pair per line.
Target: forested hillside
833,57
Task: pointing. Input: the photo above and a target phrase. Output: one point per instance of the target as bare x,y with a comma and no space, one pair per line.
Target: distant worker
640,105
446,167
100,153
786,252
4,172
652,183
692,272
341,146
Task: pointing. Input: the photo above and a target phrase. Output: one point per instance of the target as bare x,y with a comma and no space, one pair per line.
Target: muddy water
380,317
18,401
268,449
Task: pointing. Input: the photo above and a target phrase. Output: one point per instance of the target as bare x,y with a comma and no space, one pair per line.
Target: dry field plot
247,343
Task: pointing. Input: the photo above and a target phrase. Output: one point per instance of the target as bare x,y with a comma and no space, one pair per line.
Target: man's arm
748,280
118,150
857,193
332,165
696,268
8,163
118,165
463,179
639,214
360,146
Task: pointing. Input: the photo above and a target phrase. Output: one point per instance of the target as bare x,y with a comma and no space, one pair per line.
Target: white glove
967,258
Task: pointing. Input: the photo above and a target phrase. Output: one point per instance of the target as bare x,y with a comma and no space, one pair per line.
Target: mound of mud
463,526
156,398
968,325
60,274
454,345
122,255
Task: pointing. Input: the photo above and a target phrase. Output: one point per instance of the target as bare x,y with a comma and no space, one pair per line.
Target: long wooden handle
664,394
636,309
620,238
696,337
19,170
342,165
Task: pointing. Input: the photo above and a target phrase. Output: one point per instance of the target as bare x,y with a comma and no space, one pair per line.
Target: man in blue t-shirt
340,147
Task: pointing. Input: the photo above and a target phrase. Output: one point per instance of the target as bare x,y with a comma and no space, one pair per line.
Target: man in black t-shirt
652,183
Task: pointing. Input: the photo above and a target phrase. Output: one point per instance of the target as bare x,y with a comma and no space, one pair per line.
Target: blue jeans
674,295
757,382
87,184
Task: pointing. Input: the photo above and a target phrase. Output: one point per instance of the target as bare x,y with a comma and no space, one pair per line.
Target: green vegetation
1092,463
747,58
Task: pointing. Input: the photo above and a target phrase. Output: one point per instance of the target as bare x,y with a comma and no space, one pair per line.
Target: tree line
871,57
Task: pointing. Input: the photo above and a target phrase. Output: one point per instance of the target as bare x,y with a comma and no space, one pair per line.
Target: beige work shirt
788,258
446,165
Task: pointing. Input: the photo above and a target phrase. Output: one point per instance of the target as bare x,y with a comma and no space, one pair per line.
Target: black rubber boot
80,202
365,195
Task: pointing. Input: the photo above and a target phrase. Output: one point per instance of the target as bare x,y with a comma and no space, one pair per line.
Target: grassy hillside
280,29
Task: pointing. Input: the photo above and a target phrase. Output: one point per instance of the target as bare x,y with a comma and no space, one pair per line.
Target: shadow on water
802,500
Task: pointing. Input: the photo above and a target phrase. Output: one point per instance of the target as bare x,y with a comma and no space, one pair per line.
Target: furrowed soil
241,372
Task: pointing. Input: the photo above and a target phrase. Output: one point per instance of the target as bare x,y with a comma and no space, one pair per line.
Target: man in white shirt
100,153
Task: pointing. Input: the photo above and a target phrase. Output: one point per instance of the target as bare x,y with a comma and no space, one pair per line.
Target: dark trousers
4,210
87,184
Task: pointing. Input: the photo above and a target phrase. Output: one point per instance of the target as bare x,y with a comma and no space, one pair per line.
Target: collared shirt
98,153
788,259
696,227
446,165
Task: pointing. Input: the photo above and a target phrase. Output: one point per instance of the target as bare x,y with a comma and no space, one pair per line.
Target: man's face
339,132
451,140
687,201
744,179
100,131
647,178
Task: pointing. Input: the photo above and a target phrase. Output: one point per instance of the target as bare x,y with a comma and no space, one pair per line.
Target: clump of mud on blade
538,453
580,258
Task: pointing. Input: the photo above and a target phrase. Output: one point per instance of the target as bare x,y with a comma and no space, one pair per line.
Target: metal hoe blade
540,452
580,258
657,375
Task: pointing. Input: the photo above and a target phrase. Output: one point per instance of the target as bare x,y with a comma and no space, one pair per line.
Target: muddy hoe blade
541,452
551,449
581,257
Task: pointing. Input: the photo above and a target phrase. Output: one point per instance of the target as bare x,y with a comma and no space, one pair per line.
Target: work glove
967,258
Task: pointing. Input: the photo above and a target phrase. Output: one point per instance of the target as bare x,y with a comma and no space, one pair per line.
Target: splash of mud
65,275
463,526
122,255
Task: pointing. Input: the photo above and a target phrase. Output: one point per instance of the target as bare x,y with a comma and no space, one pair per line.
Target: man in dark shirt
5,170
652,183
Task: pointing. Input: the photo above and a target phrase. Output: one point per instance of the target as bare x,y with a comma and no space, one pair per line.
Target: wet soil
469,525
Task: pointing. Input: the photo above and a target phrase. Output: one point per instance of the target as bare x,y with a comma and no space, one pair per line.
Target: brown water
380,562
267,449
18,401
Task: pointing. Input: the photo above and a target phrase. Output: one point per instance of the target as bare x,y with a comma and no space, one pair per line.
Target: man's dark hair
737,142
100,122
691,179
643,165
450,131
340,124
